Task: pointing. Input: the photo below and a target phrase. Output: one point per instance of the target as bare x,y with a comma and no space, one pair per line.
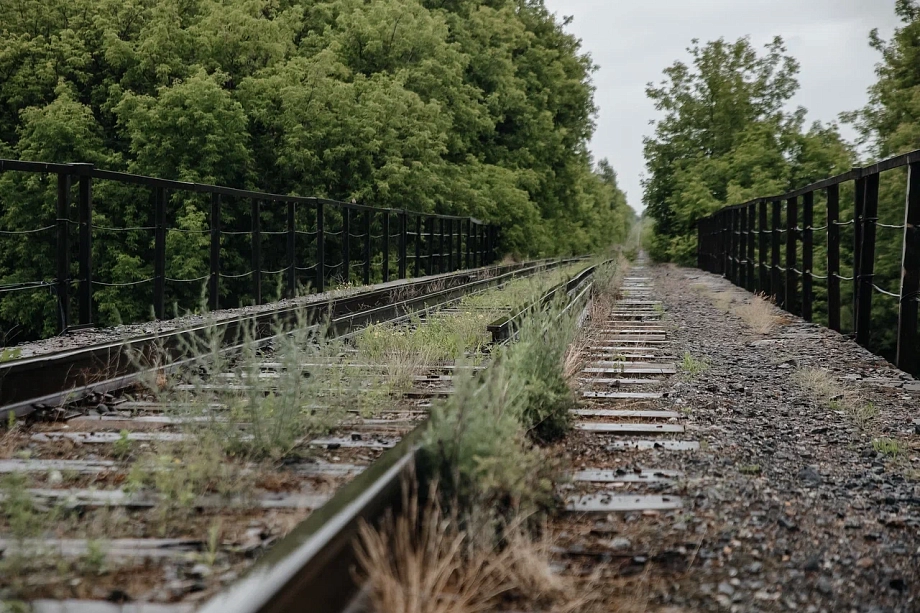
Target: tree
890,124
726,138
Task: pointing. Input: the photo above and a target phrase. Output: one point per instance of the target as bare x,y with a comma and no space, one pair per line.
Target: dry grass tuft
832,394
758,313
421,562
528,569
9,440
417,562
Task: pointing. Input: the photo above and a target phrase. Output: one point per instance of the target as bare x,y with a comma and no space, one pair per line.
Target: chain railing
310,242
744,243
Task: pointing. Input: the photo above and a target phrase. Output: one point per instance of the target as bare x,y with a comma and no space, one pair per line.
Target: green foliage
480,108
121,448
8,353
17,507
94,560
692,366
891,120
888,446
538,360
890,125
480,440
726,138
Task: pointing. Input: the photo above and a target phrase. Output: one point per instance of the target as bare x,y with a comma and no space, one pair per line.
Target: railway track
42,383
627,456
629,358
186,519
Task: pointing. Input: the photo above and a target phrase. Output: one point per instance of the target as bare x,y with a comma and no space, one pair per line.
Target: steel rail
505,328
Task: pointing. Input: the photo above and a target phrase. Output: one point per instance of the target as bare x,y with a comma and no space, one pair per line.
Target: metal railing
743,243
315,231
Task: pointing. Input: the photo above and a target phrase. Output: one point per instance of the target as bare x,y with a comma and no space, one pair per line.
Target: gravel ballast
791,502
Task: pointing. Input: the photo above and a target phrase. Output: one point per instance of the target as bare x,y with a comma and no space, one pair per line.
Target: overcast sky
634,40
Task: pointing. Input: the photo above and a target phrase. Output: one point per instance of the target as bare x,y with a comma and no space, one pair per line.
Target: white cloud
634,40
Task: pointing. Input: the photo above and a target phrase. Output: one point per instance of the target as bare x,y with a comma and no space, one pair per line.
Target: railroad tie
631,350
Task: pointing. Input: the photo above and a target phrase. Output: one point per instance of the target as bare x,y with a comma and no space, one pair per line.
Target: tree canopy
480,108
890,125
726,137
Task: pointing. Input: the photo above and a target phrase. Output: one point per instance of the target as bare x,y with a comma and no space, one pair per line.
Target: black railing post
85,214
867,261
291,249
751,213
367,246
159,252
740,248
858,206
63,250
459,244
480,234
726,243
908,357
732,246
320,248
418,244
214,280
469,243
742,244
346,244
256,239
715,233
808,203
441,245
475,238
430,269
792,281
776,282
708,237
764,284
385,222
403,239
833,257
450,245
491,250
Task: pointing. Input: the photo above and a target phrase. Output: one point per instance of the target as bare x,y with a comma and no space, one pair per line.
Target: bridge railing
756,245
237,246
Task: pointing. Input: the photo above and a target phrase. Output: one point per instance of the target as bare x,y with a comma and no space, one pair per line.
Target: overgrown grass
480,443
262,401
691,366
888,447
759,314
756,311
423,561
480,447
427,340
22,515
444,337
832,394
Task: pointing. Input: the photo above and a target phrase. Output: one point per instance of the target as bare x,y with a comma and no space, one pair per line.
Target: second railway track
165,483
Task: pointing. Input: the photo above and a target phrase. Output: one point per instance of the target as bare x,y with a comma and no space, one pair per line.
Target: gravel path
788,506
